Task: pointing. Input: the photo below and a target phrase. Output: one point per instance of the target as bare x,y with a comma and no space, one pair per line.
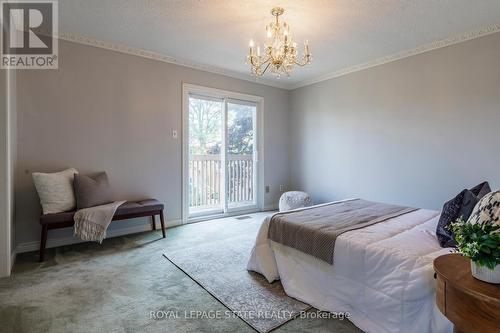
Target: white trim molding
224,96
55,242
75,38
7,141
143,227
488,30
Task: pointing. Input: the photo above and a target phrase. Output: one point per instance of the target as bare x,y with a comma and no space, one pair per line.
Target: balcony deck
206,177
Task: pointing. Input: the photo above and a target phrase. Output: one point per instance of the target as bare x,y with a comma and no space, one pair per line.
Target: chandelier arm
252,59
301,64
265,69
262,62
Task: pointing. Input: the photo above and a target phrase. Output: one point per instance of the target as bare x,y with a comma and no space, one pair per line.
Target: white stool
294,199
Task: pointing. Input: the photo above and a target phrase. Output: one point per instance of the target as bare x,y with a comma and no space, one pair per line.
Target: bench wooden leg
153,222
162,224
43,242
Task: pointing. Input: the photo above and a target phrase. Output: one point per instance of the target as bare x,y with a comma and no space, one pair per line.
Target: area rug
220,268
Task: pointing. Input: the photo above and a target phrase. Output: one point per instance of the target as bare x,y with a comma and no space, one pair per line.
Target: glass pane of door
205,171
240,154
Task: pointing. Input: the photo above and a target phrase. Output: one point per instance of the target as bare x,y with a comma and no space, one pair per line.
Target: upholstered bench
129,210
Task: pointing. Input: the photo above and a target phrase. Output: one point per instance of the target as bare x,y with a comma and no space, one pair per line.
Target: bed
382,274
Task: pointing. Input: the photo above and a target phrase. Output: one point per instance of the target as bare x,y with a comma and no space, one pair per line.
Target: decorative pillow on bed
460,206
55,190
487,210
93,191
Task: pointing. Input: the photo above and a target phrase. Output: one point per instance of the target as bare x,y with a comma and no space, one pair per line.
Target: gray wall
104,110
415,131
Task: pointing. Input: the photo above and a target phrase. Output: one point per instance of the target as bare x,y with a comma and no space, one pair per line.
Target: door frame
187,89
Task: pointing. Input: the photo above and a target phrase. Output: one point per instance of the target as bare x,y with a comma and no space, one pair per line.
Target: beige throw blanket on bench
91,223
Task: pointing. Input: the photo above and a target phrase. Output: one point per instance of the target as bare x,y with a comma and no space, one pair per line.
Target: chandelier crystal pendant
280,51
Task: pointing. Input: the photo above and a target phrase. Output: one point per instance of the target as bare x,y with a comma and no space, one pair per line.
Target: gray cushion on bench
129,207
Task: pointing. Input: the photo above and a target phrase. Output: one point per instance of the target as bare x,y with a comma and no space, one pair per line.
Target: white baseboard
221,216
55,242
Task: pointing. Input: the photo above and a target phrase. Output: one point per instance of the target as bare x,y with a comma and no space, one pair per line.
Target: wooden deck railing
206,176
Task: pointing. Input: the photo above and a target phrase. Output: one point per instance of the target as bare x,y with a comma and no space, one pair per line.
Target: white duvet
382,274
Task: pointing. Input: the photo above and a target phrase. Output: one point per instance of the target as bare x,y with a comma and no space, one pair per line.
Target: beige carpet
113,287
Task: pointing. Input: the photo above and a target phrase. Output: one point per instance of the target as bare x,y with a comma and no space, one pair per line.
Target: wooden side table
470,304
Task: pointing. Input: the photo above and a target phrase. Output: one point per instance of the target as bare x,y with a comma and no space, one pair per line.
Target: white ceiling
213,33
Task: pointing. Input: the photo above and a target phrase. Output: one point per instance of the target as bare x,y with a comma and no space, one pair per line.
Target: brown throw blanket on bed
314,230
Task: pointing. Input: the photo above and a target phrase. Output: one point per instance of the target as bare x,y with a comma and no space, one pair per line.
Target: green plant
479,242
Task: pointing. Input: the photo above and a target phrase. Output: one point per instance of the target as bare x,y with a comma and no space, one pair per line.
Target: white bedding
382,274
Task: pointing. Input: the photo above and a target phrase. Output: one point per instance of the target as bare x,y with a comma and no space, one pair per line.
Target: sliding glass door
206,142
222,170
240,154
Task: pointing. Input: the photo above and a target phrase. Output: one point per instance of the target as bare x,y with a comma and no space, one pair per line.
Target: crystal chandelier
280,51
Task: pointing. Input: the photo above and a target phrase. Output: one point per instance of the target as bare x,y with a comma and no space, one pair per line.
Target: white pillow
56,190
487,210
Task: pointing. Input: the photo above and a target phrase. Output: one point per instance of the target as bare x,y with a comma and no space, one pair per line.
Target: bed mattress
382,274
